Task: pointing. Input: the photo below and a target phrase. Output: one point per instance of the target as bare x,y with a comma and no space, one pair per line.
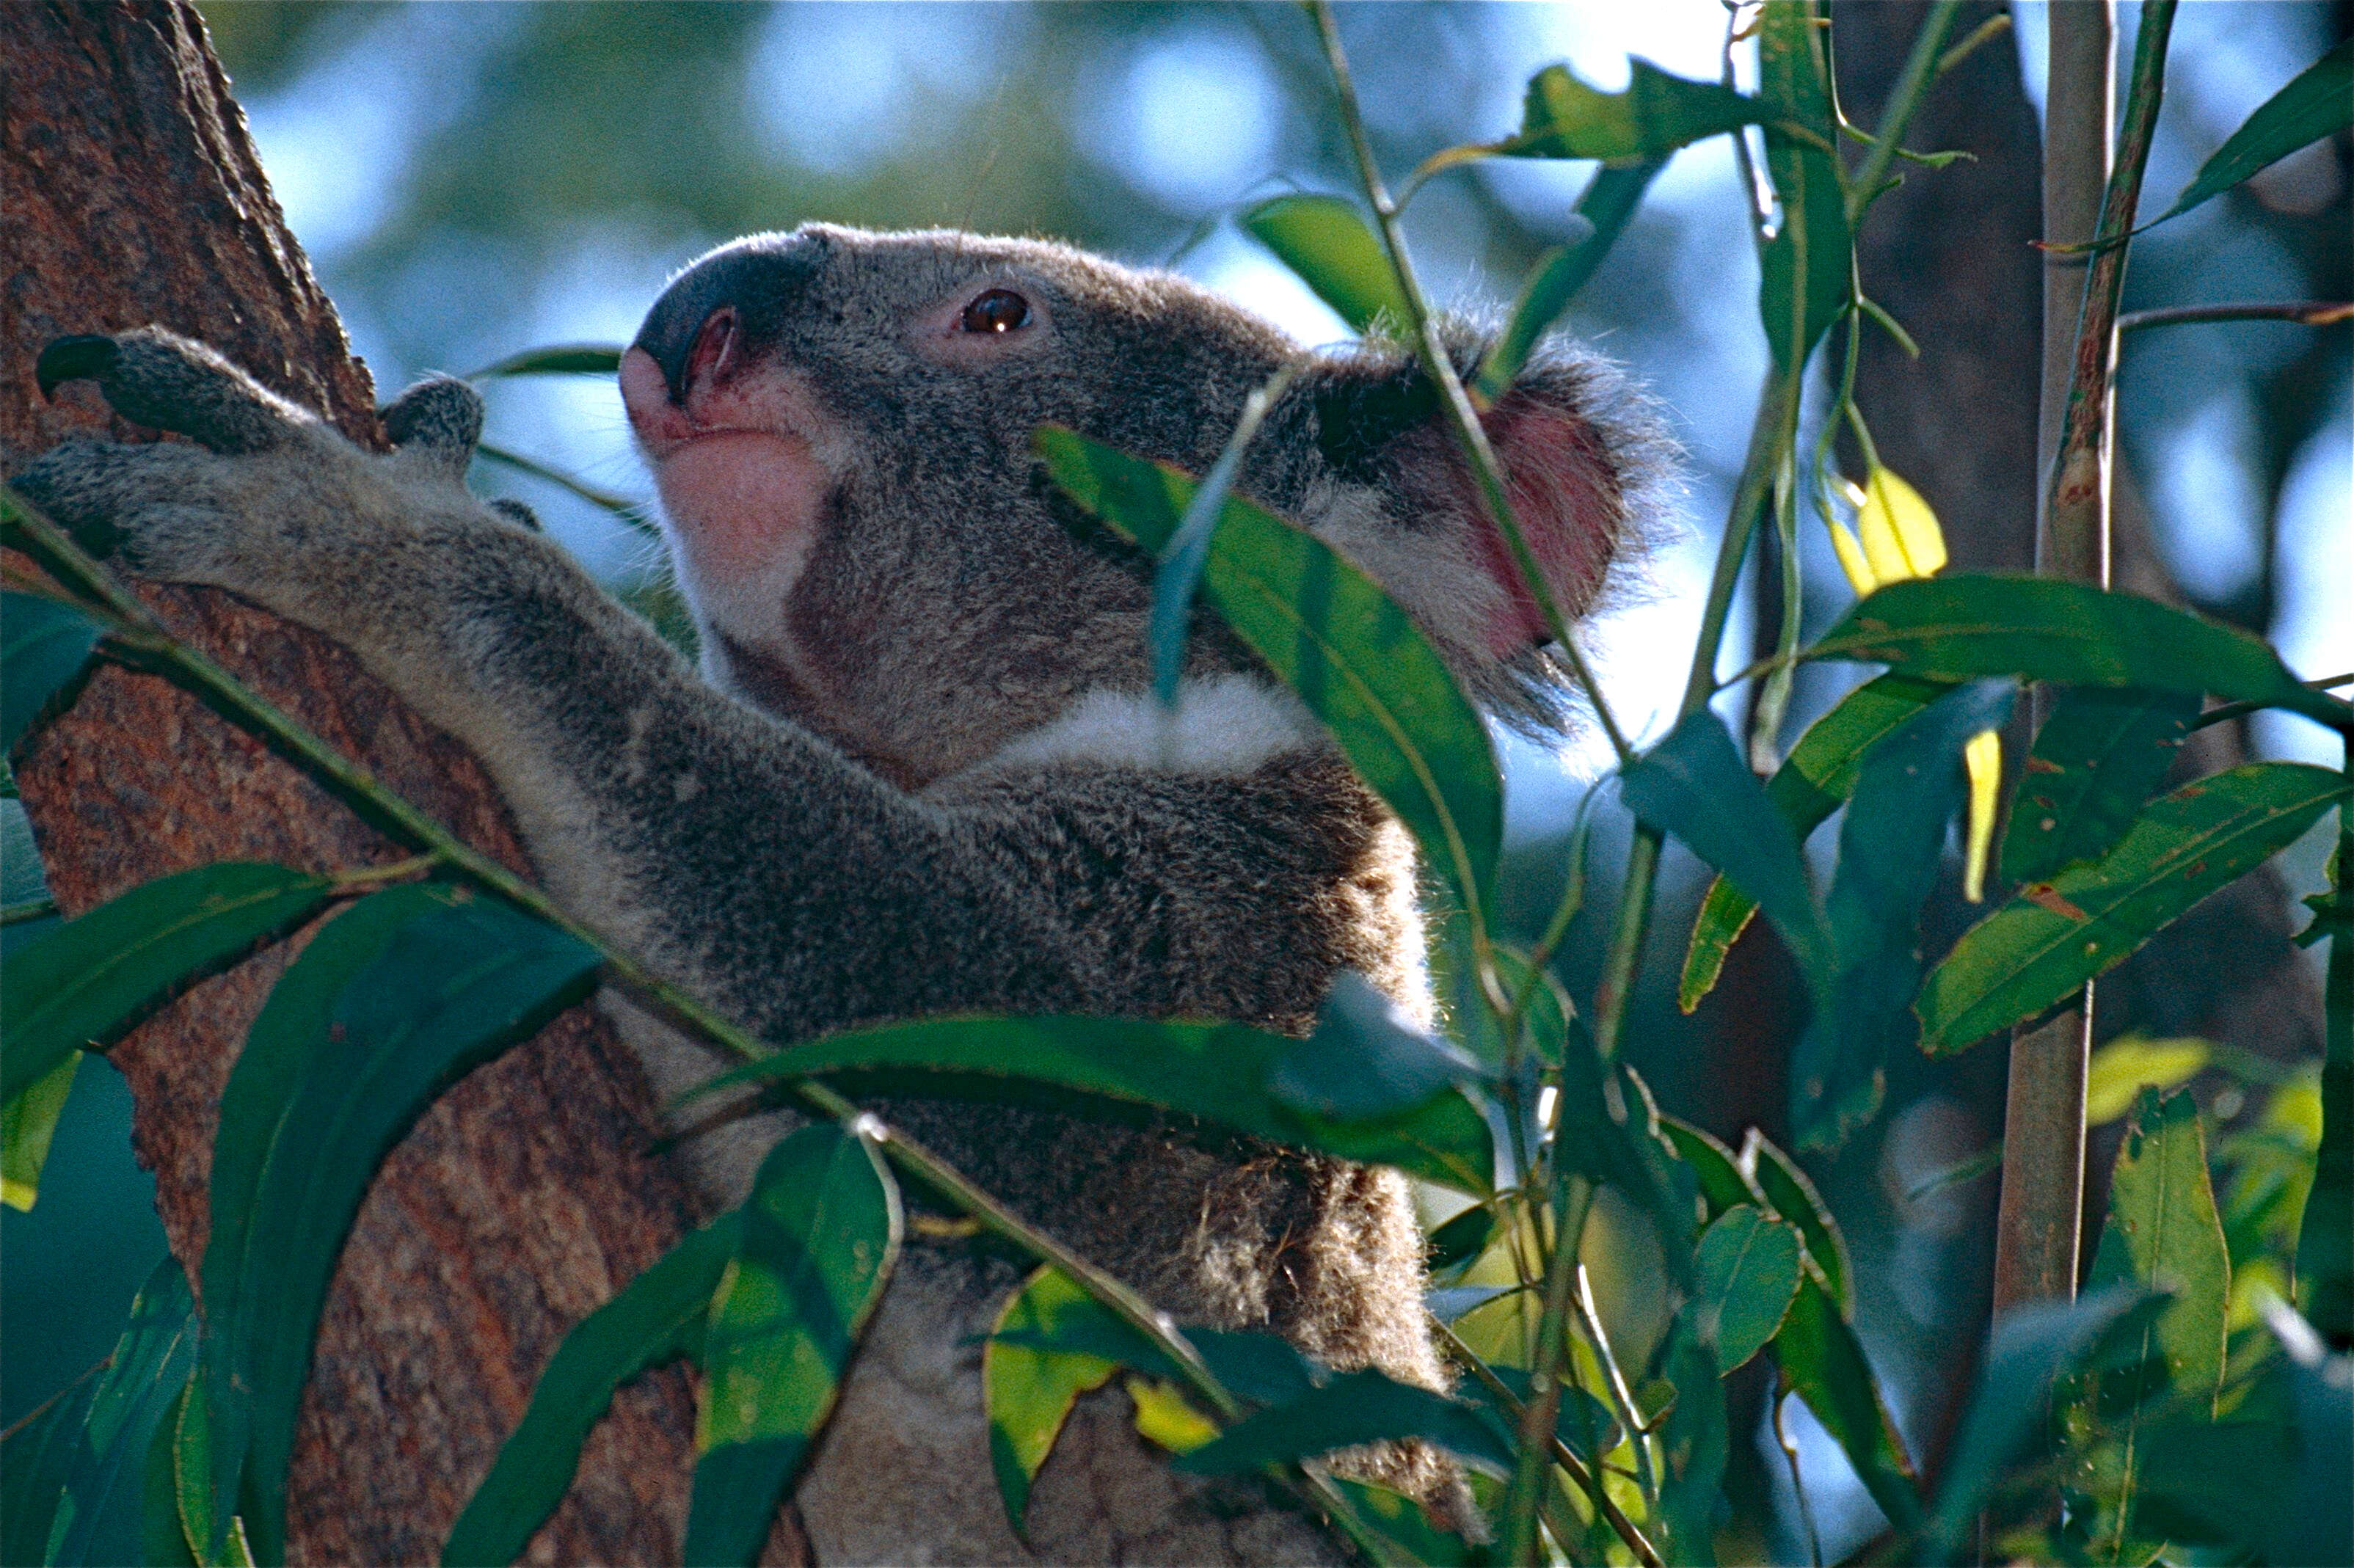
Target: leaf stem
1573,1199
31,909
2305,313
1431,350
1921,68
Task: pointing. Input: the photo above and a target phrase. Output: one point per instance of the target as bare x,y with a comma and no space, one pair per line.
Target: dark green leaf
1964,626
2320,102
1218,1072
163,1543
1609,1129
1695,786
1694,1444
1610,199
192,1485
27,1125
1722,1184
821,1232
2314,1517
1366,1058
101,1517
33,1461
2053,937
1564,118
2325,1245
1745,1269
1794,1197
2031,1346
1327,242
657,1316
2098,756
1818,774
43,646
1401,1522
1462,1238
75,987
1330,632
1891,845
441,981
1808,266
1356,1407
2162,1234
1029,1388
1824,1362
555,359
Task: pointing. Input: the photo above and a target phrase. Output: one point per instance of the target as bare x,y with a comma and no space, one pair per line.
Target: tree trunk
531,1191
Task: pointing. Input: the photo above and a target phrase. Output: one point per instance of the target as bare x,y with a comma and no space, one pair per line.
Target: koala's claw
440,418
164,380
84,357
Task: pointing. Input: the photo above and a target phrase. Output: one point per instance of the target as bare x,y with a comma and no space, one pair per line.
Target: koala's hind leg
902,1474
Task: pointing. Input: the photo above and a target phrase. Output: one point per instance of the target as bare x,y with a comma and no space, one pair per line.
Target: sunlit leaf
1745,1269
1219,1072
1355,1407
2097,758
43,646
657,1316
1331,633
2052,937
1028,1388
420,985
77,986
1327,242
2120,1069
1807,787
820,1236
1964,626
1561,117
1808,266
1165,1417
1610,200
27,1125
1897,530
2320,102
1891,842
2163,1234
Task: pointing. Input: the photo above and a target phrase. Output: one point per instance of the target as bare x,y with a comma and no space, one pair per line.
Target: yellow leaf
1901,536
1982,758
1162,1417
2120,1068
1851,561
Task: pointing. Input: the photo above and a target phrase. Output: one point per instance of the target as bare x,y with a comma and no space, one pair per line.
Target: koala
921,770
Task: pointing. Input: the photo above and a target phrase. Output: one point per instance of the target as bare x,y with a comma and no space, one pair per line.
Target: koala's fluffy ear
1586,463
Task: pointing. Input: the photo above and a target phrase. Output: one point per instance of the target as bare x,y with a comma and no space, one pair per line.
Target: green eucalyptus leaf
820,1236
2052,937
1723,1186
1362,1406
1561,117
44,646
1808,266
2099,755
163,1541
1462,1238
1745,1269
27,1123
35,1458
434,982
1327,242
79,985
1030,1387
101,1517
1891,842
2325,1245
1824,1363
2319,103
555,359
1331,633
1964,626
1795,1198
1402,1523
1366,1058
2163,1233
1694,785
1694,1444
1610,1130
1219,1072
1610,200
217,1544
656,1317
1818,774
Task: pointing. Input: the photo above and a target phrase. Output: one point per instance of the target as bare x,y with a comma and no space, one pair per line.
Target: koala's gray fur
924,776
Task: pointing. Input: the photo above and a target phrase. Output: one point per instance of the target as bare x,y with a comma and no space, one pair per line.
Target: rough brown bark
529,1193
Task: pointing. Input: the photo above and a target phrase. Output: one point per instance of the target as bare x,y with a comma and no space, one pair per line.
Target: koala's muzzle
728,306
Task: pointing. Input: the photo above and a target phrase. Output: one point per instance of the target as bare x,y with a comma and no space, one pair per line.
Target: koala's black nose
761,280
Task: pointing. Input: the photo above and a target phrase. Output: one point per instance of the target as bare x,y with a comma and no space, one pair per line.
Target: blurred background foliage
472,180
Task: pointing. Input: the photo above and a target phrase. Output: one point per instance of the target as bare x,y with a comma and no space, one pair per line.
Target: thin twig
1921,68
2305,313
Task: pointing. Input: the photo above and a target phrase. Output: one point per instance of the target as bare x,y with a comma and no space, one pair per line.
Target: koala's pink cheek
742,502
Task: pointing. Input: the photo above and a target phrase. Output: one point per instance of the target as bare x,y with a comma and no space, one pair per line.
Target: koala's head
840,424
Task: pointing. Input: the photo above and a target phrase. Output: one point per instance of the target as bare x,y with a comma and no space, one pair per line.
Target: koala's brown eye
997,310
